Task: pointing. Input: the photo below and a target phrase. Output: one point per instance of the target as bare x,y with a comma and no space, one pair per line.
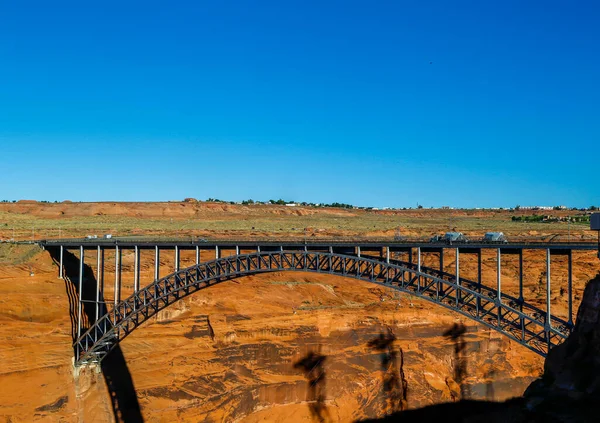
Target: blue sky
462,103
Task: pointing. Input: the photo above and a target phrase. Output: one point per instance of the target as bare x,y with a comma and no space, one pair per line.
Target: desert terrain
233,352
27,220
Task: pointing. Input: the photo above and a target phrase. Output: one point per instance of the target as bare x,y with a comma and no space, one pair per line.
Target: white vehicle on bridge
450,237
495,237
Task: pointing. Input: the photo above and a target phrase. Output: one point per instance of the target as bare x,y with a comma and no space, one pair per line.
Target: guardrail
316,240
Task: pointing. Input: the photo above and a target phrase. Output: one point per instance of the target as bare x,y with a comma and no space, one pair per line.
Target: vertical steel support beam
80,293
570,287
358,251
457,266
548,316
499,275
117,274
419,268
410,255
499,286
479,269
457,276
80,296
136,269
521,278
156,263
197,255
99,274
548,313
521,299
387,255
60,268
176,258
237,250
478,306
442,259
103,306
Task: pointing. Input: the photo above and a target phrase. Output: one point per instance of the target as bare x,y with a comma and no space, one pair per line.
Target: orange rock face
227,353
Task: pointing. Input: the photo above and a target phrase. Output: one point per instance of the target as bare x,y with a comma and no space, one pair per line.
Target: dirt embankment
201,208
163,209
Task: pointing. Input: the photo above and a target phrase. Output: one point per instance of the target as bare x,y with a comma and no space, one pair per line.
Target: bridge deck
300,244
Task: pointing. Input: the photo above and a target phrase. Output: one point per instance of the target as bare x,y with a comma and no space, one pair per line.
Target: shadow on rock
489,384
456,334
394,384
314,371
123,397
119,383
461,411
568,391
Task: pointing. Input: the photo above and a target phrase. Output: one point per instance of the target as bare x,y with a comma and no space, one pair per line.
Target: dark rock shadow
456,334
124,401
314,371
489,384
568,391
394,383
204,328
461,412
119,383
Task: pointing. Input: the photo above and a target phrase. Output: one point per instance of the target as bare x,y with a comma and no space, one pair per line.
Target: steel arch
519,321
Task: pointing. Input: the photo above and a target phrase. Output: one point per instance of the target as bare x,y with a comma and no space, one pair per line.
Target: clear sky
460,103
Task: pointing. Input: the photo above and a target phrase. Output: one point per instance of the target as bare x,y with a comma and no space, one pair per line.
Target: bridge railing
534,241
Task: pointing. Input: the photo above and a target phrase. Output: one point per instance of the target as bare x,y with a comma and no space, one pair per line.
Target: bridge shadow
394,383
568,390
121,389
465,411
489,384
456,333
312,366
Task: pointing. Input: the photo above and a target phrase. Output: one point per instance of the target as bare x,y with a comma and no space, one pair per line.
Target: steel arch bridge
514,318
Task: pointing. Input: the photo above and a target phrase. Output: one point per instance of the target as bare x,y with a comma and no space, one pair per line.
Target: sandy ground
30,220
